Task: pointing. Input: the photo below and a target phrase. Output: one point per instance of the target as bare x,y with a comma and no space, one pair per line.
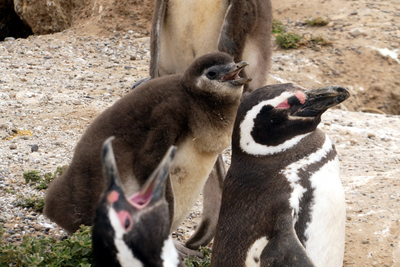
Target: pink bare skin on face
125,219
301,96
285,105
113,197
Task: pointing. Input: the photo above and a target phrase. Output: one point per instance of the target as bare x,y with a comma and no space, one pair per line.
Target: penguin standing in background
133,231
184,30
283,203
194,111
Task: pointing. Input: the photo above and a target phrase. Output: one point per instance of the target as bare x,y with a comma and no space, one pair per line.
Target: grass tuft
43,181
35,202
288,40
315,42
277,26
75,250
317,22
197,262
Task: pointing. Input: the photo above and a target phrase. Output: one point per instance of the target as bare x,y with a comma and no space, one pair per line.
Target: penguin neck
301,147
211,122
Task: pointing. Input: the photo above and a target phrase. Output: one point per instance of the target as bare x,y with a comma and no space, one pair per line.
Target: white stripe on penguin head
247,143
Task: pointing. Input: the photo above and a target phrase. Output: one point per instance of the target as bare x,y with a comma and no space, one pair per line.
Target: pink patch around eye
301,96
283,105
125,219
113,197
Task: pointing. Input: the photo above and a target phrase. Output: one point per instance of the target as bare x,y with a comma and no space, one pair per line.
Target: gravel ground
53,86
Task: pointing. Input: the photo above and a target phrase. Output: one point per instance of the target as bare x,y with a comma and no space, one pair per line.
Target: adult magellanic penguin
283,203
194,111
133,231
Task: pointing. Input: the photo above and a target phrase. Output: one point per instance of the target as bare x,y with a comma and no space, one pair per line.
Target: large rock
10,24
45,16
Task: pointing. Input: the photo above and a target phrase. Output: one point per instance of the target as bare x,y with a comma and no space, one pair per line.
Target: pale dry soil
55,85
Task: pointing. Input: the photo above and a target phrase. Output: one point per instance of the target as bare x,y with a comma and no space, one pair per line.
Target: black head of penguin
133,231
274,114
216,77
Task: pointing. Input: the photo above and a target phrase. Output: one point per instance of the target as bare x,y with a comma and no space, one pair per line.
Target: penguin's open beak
153,189
233,75
319,100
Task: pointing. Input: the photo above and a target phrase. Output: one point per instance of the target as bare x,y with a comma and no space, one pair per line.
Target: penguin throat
231,76
141,199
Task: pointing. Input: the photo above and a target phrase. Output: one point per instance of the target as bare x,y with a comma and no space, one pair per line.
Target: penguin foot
185,252
141,81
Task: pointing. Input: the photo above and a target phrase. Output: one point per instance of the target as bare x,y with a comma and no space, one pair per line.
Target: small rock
330,24
133,57
34,148
356,32
76,102
365,241
37,227
13,146
353,13
9,39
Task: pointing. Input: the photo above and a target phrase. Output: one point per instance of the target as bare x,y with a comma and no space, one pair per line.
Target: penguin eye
211,74
127,223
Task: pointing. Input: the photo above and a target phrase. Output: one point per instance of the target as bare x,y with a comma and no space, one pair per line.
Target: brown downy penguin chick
194,111
184,30
283,203
133,231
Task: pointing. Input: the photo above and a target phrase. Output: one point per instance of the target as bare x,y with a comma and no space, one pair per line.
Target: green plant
32,176
197,262
277,26
43,181
288,40
314,42
75,250
35,202
1,232
318,21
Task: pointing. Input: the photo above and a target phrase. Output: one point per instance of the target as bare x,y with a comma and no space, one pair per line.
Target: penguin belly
326,231
189,173
191,29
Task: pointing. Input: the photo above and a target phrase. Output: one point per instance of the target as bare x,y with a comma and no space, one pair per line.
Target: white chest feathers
254,252
169,254
189,172
124,254
325,232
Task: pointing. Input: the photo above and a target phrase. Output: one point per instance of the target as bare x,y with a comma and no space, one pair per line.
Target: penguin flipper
141,81
155,36
285,249
232,37
212,194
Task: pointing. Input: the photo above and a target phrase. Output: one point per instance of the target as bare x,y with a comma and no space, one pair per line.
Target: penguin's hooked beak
233,75
153,189
319,100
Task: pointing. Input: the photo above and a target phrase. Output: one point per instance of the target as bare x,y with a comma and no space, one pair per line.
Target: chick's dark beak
319,100
233,75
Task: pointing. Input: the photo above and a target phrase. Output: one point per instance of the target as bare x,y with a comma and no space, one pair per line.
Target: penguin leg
185,252
212,194
141,81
